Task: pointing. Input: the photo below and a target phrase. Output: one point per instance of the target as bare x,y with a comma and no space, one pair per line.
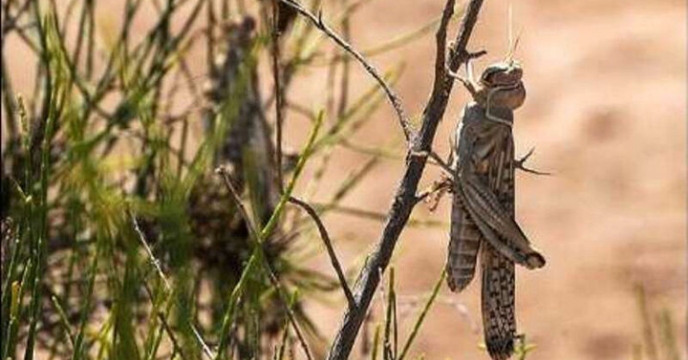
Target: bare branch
318,22
330,250
416,158
279,92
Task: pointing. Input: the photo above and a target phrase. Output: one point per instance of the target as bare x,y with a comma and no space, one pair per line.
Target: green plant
119,239
658,336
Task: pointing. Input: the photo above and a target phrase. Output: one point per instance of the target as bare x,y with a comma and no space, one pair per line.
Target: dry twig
255,235
318,22
328,245
279,93
168,288
416,158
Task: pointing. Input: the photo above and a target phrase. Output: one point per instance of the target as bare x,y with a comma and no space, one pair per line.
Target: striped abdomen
499,321
498,275
464,244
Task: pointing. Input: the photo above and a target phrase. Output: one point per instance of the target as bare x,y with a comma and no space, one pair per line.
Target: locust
482,214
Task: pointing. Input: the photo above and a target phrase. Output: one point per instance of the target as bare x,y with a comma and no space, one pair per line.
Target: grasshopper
482,218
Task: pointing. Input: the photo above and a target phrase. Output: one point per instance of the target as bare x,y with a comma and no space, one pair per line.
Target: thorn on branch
320,18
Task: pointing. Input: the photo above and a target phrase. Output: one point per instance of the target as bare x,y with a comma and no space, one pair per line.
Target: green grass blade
422,315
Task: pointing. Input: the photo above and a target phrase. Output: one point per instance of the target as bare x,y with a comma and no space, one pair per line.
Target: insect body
482,220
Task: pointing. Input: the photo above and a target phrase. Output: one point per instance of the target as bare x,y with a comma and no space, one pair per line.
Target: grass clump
119,239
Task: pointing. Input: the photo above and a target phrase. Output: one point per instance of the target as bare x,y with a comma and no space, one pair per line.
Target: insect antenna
513,42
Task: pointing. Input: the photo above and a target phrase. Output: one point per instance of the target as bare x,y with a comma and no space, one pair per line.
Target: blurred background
606,113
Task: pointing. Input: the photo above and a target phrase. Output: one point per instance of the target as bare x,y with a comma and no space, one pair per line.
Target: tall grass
119,239
658,338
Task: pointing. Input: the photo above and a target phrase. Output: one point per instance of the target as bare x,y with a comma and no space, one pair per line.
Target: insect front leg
469,81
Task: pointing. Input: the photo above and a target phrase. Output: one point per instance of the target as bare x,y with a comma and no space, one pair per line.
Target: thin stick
166,327
438,160
175,343
318,22
168,288
376,216
421,316
330,250
416,158
279,94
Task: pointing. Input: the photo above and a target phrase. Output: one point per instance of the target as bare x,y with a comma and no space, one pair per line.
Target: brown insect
482,219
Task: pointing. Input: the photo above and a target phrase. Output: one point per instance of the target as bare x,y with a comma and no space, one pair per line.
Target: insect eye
489,77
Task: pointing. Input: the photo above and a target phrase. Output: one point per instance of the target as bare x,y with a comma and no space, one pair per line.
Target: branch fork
419,149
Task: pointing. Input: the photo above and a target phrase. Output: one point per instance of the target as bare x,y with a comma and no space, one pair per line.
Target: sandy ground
606,110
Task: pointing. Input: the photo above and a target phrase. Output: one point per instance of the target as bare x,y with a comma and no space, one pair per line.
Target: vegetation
120,238
149,213
658,337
